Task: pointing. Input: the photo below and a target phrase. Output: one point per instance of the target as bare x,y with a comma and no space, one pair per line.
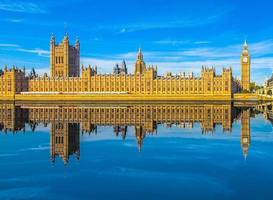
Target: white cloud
186,22
128,55
16,47
104,65
16,6
9,45
171,42
201,42
177,42
39,70
123,30
193,22
14,20
38,51
262,48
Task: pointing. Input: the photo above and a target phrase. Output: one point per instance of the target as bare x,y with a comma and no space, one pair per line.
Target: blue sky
176,35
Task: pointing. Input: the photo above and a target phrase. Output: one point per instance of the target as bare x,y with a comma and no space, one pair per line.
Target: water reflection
68,122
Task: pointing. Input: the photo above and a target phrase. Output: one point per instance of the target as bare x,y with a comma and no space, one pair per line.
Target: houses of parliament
67,122
68,81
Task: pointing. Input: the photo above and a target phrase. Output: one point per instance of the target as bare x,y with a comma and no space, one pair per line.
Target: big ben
245,62
245,131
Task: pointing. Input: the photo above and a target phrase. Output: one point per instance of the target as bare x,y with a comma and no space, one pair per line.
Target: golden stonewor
68,121
245,131
64,58
66,82
64,140
245,62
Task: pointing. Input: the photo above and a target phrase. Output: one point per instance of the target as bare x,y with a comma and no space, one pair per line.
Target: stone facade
12,81
65,77
146,83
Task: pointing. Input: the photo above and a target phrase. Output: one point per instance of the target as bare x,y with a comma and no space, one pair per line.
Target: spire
123,64
78,154
52,158
77,41
245,155
52,39
140,55
245,45
66,36
116,69
139,145
245,49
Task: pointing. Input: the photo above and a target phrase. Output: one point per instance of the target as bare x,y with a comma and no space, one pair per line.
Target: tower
64,141
245,131
140,66
140,135
245,73
64,58
123,68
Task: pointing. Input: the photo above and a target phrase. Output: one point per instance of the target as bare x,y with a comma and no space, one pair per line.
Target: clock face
245,59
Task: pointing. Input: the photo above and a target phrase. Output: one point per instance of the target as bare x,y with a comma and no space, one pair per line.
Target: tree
254,87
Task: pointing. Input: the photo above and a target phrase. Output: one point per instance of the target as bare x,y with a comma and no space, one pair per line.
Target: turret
33,73
123,68
140,135
140,55
77,44
140,66
88,71
66,37
52,40
52,56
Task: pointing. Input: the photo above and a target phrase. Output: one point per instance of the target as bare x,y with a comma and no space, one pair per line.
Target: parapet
14,69
91,71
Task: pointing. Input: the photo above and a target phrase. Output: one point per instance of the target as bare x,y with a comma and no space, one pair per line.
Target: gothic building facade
66,78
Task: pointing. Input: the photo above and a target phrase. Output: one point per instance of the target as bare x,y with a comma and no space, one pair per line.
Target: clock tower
245,73
245,131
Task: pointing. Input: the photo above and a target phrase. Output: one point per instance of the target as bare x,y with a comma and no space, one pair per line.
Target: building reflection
64,140
12,118
266,109
68,121
245,131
